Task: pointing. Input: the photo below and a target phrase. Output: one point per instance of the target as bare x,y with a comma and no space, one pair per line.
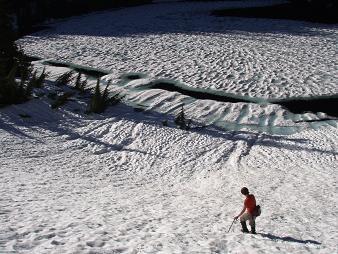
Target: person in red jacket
247,212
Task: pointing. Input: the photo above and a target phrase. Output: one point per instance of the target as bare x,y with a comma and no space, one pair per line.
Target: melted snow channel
203,106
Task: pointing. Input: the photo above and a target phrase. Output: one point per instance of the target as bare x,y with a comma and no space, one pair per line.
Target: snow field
267,118
120,183
180,41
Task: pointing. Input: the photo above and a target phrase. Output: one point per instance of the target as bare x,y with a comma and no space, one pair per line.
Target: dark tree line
28,13
8,49
317,10
322,11
13,63
324,3
18,17
316,5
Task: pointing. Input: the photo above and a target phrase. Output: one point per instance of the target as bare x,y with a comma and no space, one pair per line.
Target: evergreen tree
11,92
65,78
179,119
79,84
78,81
12,63
105,96
95,103
99,102
41,79
37,82
8,49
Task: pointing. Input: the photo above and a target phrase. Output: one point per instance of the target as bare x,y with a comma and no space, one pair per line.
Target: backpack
257,211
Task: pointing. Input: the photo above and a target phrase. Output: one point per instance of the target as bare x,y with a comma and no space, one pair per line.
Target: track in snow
120,182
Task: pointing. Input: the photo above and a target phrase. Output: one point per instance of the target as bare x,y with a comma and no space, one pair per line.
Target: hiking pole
231,225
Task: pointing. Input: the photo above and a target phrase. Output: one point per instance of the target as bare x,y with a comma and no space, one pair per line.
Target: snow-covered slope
254,115
121,182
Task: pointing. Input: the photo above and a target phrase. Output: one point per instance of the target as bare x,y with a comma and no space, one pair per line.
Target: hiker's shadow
288,239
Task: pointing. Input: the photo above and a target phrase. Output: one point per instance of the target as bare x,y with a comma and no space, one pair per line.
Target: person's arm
243,210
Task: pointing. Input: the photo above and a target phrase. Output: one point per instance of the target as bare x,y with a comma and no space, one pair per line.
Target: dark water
325,104
95,73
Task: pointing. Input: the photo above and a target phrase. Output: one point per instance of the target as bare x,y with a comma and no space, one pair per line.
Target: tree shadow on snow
10,128
287,239
251,138
96,141
63,123
262,139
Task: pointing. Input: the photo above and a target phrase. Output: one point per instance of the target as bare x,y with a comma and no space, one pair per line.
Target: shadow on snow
124,112
287,239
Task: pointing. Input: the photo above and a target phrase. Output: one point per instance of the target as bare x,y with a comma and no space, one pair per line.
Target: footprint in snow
99,150
48,236
95,243
54,242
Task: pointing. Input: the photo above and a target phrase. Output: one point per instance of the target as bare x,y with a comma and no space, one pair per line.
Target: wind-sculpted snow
209,107
181,41
122,183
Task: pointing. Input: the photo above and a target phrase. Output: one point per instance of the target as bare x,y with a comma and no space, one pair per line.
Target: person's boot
244,227
253,229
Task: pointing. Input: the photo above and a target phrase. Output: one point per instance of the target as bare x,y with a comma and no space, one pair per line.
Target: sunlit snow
121,182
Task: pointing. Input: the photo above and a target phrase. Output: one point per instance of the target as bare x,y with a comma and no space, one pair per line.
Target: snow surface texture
266,118
121,182
181,41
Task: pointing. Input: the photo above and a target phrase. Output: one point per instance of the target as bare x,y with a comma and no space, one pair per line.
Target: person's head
245,191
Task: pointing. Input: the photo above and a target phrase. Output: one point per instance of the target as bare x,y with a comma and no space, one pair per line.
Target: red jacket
250,203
